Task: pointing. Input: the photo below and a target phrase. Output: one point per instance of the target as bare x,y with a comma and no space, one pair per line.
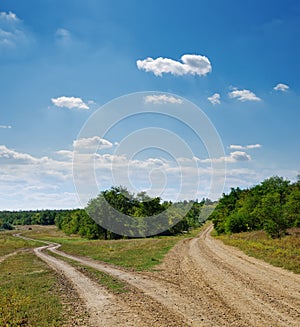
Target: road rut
201,282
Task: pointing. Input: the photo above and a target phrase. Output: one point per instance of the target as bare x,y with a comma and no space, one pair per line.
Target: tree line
105,208
179,217
273,206
28,217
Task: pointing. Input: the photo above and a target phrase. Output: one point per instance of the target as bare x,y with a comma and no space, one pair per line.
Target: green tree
270,212
292,208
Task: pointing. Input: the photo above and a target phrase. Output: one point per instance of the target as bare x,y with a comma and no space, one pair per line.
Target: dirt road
202,282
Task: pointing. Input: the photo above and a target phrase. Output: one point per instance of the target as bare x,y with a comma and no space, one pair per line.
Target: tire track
203,282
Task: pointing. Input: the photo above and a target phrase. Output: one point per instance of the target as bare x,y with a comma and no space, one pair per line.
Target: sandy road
232,289
202,282
106,309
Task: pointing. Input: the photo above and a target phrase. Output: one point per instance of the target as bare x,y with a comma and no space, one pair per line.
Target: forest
272,206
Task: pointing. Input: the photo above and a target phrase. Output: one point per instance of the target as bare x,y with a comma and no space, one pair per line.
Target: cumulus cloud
243,95
70,103
9,154
14,156
162,98
215,99
238,156
245,147
65,153
281,87
190,65
5,126
91,143
29,182
10,16
233,157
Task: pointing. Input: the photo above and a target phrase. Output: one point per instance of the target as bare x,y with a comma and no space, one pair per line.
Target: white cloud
63,37
29,182
14,156
10,16
70,103
91,143
65,153
281,87
162,98
233,157
13,35
245,147
243,95
5,126
215,99
190,65
62,33
238,156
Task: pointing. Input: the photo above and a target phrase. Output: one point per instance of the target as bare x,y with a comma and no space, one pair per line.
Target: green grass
109,282
29,295
283,252
137,254
9,244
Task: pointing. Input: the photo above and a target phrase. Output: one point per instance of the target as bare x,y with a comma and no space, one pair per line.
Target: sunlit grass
283,252
138,254
9,243
109,282
29,295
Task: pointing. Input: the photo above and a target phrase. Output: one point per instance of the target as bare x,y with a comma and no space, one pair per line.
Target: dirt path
202,282
130,309
232,289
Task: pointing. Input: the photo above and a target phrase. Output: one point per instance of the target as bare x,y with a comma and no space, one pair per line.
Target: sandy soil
202,282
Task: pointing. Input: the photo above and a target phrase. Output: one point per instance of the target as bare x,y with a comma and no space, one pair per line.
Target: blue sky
238,61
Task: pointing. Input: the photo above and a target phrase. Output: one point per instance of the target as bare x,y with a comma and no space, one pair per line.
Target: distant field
283,252
143,254
138,254
9,244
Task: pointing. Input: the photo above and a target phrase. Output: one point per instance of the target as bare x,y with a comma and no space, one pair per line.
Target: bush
7,226
236,223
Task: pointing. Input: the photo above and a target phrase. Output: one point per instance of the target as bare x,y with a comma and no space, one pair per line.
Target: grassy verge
110,283
137,254
29,295
9,244
283,252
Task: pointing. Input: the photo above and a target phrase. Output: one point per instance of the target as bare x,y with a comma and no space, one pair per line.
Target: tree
7,226
292,208
270,211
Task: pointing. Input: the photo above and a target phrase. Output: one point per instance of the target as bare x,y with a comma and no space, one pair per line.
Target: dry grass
283,252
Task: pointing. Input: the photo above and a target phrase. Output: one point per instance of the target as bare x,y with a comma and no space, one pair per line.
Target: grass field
29,296
283,252
32,294
9,244
137,254
29,288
